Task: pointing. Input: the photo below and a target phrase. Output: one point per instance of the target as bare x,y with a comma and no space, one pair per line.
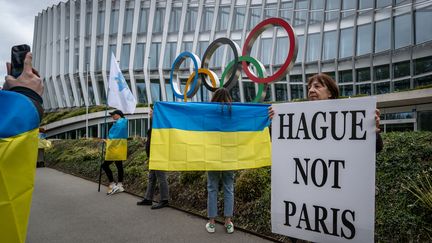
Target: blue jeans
213,178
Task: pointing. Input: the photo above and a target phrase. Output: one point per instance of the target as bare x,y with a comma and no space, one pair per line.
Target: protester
21,106
155,175
118,131
214,177
323,87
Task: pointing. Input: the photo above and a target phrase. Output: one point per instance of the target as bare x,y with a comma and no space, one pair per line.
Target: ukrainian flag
209,136
18,152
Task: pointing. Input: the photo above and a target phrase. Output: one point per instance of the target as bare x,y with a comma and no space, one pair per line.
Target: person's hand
270,112
29,78
151,113
377,120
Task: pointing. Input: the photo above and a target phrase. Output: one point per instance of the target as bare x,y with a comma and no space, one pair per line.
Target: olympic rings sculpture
234,67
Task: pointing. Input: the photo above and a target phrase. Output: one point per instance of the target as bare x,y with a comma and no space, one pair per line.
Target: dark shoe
161,204
145,202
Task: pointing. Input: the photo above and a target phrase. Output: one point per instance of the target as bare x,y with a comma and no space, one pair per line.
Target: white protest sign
323,170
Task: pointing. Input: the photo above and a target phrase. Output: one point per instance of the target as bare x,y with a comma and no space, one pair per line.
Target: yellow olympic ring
213,78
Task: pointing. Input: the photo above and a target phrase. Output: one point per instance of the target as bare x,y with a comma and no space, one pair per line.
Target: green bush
400,216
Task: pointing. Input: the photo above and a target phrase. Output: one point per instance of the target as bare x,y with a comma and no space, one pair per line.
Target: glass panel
154,55
300,40
142,25
128,18
266,45
300,18
329,45
111,49
402,30
423,81
346,90
99,53
317,4
235,93
332,16
139,56
296,79
158,20
382,72
332,4
363,74
313,47
270,10
170,51
296,91
383,3
402,85
346,43
169,91
422,65
382,88
348,4
281,92
382,35
223,17
332,75
66,63
363,4
316,17
191,17
424,120
364,42
239,17
401,69
249,91
141,91
88,23
124,59
101,22
364,89
345,76
206,19
285,11
114,22
281,50
174,19
423,20
202,46
301,4
155,90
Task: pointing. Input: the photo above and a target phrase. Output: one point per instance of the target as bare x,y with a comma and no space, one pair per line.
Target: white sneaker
229,228
211,228
111,189
120,188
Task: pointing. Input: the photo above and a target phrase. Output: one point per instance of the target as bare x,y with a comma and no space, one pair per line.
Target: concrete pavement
69,209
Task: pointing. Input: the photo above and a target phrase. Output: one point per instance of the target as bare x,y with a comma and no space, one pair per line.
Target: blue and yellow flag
18,152
209,137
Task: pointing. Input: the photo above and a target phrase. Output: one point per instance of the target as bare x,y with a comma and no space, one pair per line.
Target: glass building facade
370,47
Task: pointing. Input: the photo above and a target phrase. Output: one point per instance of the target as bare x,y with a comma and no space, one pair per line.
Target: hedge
400,215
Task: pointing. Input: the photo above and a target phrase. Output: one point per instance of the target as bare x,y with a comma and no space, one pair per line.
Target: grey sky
16,25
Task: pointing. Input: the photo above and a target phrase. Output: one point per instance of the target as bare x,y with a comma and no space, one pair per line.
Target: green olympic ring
262,88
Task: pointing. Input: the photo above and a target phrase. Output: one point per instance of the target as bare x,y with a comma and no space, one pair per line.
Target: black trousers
106,168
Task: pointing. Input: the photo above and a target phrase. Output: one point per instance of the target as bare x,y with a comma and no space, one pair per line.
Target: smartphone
17,59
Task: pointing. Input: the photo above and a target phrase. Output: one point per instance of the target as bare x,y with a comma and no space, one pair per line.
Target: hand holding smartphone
18,54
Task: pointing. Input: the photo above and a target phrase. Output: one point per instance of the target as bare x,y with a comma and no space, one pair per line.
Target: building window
313,47
155,90
296,91
363,74
255,16
111,49
154,54
285,11
174,22
114,22
207,19
346,43
223,17
401,69
239,17
101,22
383,3
402,31
301,4
382,88
249,91
423,20
142,25
128,18
170,51
139,56
169,91
422,65
202,46
346,90
141,91
382,35
423,81
401,85
124,59
158,20
364,4
364,40
296,79
88,23
363,89
281,50
382,72
424,120
329,45
270,10
266,46
316,17
281,91
191,17
317,4
345,76
300,17
300,40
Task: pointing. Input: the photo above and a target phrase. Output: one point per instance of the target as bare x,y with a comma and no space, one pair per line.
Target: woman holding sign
323,87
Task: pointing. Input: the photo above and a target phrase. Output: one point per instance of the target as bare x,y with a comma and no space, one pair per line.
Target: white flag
119,94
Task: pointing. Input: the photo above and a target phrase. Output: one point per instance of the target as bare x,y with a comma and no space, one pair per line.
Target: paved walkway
69,209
